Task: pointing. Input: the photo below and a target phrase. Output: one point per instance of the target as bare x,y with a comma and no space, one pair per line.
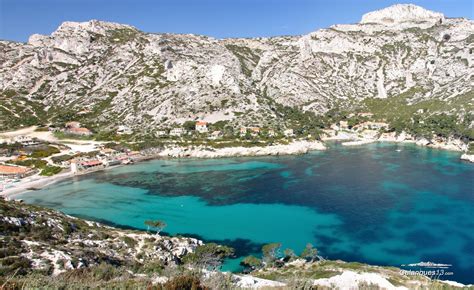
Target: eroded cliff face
110,74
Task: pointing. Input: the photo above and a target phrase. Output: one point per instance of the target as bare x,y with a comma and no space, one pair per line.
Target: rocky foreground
44,248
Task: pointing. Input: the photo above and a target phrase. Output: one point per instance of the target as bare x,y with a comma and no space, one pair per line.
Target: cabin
216,135
201,126
91,164
254,131
160,133
344,125
124,130
73,124
177,132
79,131
14,171
243,131
371,126
25,141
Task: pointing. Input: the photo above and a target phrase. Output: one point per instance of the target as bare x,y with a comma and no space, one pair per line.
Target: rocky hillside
108,74
38,240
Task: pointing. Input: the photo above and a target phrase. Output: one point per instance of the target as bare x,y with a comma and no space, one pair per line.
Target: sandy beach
33,182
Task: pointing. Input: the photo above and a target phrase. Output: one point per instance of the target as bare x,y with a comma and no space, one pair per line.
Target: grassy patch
50,170
43,152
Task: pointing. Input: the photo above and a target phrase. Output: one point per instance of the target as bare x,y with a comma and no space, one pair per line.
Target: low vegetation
50,170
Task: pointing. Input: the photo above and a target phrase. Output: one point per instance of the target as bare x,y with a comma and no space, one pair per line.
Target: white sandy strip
351,280
358,142
35,181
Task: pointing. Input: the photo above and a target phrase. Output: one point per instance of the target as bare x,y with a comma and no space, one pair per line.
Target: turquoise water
388,204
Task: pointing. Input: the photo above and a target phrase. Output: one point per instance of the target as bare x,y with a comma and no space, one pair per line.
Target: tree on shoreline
310,253
271,252
157,225
208,256
251,263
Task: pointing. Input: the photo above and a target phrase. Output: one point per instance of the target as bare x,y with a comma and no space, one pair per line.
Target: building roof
201,123
79,130
91,163
9,169
73,124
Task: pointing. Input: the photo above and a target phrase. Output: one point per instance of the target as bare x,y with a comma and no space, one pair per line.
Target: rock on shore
297,147
468,157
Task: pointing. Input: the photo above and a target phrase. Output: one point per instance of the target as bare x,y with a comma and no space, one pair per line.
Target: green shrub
184,282
35,163
61,158
130,242
44,152
251,263
208,256
50,170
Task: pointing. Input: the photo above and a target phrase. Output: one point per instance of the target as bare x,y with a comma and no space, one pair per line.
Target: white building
201,126
160,133
243,131
124,130
216,135
177,132
73,166
343,125
25,141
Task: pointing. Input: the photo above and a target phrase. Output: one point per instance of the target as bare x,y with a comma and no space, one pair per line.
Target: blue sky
218,18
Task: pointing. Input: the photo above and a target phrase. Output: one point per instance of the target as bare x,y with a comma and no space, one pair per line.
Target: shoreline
295,148
186,152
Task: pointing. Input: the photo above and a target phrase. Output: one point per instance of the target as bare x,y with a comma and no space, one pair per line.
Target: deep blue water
388,204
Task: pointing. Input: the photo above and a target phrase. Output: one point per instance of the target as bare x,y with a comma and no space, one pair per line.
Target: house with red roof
201,126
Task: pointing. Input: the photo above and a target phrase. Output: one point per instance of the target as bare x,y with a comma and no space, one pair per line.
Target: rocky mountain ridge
108,74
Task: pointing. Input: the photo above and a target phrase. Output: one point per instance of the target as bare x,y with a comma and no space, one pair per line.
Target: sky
218,18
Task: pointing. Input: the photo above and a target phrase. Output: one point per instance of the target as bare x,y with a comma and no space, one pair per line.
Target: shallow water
388,204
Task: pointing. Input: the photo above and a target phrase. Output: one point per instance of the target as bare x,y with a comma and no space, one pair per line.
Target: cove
382,203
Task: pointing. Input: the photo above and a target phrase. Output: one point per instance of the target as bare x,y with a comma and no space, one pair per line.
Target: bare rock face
399,13
119,75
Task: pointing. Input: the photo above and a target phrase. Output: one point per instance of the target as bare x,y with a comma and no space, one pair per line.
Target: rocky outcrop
296,147
46,240
468,157
402,13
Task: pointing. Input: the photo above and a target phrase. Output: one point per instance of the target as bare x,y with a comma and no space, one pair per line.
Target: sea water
382,203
